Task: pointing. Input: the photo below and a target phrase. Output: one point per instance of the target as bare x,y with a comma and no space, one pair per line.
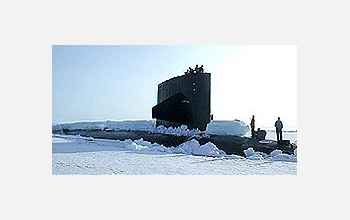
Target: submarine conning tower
184,100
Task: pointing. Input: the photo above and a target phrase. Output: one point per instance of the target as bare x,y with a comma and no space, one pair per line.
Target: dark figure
261,134
196,69
252,126
279,126
201,69
190,70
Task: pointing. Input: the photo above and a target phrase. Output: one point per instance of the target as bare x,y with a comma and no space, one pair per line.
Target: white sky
120,82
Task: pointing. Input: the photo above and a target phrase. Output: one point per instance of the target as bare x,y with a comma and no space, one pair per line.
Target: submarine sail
184,100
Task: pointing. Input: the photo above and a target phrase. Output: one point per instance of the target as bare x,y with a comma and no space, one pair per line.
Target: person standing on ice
252,126
279,126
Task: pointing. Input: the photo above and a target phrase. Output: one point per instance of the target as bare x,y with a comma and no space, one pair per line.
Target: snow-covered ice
234,127
86,155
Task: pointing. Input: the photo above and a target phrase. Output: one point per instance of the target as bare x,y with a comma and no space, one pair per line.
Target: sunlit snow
86,155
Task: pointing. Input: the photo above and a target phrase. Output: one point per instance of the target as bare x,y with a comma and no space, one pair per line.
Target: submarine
184,100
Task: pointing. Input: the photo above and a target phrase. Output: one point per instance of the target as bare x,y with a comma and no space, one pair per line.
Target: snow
76,155
221,127
234,127
141,125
